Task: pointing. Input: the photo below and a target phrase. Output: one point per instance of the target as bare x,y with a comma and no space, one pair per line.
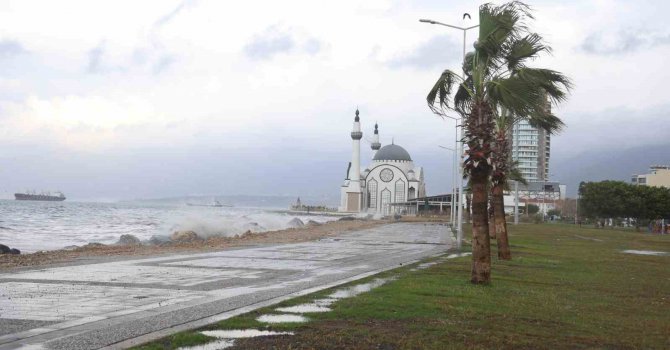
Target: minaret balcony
356,135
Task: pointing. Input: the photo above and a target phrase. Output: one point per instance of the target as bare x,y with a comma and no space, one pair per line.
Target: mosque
390,178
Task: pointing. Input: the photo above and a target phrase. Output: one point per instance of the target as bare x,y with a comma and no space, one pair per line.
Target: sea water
32,226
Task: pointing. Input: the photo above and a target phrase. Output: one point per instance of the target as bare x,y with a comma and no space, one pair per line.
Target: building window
372,193
399,191
412,193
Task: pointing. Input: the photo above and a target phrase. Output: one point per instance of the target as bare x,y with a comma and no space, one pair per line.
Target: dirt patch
293,235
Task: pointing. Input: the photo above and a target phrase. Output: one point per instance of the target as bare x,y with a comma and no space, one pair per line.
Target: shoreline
214,243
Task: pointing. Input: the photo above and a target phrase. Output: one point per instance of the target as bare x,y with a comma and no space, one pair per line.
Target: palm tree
496,83
505,169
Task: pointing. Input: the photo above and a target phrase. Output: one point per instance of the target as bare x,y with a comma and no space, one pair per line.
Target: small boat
59,197
215,204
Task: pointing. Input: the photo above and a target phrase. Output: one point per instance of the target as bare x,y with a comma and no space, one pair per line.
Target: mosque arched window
386,200
372,193
399,191
412,193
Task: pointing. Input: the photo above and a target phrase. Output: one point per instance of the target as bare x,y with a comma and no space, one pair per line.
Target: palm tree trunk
492,227
468,206
481,243
498,203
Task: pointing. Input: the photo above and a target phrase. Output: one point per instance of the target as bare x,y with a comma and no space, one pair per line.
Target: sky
112,100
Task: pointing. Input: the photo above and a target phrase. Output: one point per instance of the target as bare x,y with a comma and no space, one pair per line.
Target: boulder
4,249
347,218
185,236
313,223
158,240
295,223
253,227
14,251
128,240
93,245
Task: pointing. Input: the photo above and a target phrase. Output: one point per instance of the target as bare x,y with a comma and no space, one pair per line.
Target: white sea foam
32,226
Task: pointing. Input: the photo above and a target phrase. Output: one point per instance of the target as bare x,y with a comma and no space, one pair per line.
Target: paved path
103,304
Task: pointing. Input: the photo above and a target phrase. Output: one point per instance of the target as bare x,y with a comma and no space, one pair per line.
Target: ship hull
37,197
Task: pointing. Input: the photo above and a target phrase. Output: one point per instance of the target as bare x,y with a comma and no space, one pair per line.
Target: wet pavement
121,303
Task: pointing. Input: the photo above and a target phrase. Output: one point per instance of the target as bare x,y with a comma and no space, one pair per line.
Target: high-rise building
530,149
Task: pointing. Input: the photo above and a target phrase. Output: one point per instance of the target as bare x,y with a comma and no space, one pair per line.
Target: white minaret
354,191
375,140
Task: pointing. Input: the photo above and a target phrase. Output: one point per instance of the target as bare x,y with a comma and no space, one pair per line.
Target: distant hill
277,202
615,164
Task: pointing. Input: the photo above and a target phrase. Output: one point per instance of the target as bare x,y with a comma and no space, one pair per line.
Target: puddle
358,289
457,255
645,252
282,318
215,345
426,265
304,308
242,333
324,302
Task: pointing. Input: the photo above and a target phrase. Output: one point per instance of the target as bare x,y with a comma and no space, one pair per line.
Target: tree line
618,199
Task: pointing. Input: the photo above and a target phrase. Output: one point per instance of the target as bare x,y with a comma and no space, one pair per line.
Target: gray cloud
436,52
95,56
274,41
622,41
9,48
312,46
163,63
172,14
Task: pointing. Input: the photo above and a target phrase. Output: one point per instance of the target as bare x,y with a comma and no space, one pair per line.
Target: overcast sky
135,99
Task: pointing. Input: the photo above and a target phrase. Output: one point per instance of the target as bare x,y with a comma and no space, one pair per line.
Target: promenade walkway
116,304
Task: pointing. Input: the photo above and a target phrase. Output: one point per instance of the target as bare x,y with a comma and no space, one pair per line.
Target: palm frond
516,175
499,24
547,121
520,96
555,84
439,97
463,97
519,51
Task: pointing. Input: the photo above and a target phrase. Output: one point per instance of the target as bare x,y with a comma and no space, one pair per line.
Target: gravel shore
292,235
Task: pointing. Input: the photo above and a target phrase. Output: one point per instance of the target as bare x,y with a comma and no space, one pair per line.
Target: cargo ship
59,197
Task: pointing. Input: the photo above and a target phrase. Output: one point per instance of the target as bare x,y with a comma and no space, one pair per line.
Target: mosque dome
392,152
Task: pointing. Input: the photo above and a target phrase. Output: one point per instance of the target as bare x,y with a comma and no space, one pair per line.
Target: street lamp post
452,216
544,196
459,230
516,202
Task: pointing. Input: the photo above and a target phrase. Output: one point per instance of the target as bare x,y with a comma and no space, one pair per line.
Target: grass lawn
565,288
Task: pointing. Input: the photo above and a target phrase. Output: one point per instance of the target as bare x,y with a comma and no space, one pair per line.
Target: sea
32,226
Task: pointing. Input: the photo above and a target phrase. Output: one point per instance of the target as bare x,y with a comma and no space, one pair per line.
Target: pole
457,202
454,175
460,196
516,202
577,210
460,158
544,195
